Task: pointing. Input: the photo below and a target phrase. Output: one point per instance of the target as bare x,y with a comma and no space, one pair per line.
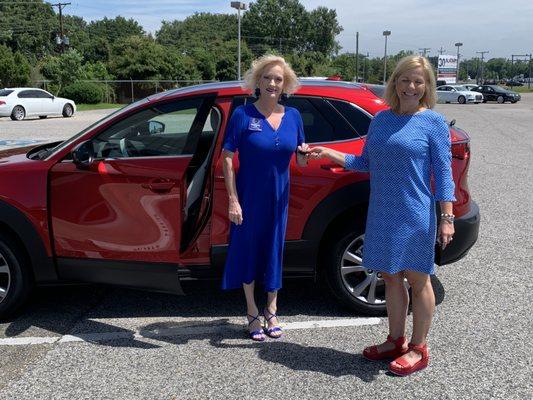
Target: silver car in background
19,103
457,94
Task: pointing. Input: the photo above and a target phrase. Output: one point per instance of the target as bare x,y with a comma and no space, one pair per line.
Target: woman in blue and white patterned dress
406,146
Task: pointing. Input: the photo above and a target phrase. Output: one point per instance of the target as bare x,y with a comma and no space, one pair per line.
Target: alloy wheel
19,113
5,278
366,285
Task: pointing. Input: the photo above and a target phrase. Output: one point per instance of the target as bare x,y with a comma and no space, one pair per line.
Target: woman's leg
423,304
270,312
251,308
397,299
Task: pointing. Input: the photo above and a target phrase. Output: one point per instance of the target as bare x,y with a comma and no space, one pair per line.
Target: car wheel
15,280
513,101
68,111
43,116
461,99
349,281
18,113
500,99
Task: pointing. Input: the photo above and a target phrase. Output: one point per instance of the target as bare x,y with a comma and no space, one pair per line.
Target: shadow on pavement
75,310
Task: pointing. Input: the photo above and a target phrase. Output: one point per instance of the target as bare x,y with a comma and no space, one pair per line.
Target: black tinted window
357,118
322,122
42,94
5,92
26,94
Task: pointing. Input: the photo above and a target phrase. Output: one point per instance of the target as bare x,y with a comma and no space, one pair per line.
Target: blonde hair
429,99
252,76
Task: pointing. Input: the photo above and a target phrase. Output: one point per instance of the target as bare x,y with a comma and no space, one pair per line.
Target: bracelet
447,217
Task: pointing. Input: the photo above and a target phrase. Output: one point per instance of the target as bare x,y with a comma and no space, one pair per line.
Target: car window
161,130
26,94
5,92
42,94
358,119
322,121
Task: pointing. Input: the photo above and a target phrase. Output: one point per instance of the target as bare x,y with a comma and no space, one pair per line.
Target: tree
62,70
114,29
14,68
201,30
142,58
323,29
287,26
28,27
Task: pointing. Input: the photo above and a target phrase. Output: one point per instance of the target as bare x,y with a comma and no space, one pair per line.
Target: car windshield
101,122
460,88
5,92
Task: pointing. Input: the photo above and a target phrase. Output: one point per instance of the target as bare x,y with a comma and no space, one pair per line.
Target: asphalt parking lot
99,342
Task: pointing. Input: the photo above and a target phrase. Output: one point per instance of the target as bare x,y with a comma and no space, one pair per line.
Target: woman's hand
235,211
318,152
302,154
445,235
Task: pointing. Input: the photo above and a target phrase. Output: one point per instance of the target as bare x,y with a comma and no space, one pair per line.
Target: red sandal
406,368
371,353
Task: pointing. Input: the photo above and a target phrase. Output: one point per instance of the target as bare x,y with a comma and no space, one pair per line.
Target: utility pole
386,34
357,57
481,73
61,41
365,68
522,56
441,51
458,45
424,50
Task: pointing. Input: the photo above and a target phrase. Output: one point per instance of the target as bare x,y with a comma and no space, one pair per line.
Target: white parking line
179,331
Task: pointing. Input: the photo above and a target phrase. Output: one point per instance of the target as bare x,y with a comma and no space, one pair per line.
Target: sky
500,27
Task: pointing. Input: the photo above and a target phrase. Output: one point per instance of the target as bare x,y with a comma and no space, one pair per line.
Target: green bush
84,92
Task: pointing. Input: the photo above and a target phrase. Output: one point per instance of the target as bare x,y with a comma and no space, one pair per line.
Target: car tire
461,99
18,113
500,100
345,276
15,278
513,101
43,116
68,111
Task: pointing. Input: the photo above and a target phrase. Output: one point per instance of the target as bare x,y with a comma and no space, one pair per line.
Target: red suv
138,199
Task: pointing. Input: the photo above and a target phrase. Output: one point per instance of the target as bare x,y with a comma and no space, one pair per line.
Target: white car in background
457,94
19,103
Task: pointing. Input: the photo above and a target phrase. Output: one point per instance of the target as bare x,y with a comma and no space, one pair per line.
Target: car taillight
2,103
461,150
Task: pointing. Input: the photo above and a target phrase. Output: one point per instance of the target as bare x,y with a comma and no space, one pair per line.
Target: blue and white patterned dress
402,153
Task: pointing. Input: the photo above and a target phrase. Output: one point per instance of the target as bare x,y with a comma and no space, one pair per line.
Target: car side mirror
155,127
83,155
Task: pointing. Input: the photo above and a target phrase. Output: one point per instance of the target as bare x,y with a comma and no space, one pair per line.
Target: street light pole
458,44
386,34
239,5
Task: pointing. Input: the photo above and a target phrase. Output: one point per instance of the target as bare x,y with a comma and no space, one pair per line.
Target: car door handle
159,185
334,168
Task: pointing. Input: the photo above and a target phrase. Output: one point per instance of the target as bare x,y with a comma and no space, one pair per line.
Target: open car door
118,218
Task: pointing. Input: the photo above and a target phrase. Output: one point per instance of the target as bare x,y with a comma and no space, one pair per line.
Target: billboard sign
447,68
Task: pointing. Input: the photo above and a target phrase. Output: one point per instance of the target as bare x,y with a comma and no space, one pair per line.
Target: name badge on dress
256,124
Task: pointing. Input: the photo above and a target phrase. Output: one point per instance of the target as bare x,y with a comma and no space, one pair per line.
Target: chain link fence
128,91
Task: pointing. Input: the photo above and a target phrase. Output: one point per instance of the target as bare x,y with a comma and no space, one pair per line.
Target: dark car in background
497,93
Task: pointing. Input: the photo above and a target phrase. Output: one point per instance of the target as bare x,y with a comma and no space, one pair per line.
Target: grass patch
520,89
99,106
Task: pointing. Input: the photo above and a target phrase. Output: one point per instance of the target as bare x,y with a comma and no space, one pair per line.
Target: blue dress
256,246
402,153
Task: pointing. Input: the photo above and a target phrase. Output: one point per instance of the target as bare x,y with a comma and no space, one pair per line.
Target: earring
257,92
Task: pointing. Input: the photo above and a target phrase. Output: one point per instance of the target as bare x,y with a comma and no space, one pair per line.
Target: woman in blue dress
406,146
266,135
